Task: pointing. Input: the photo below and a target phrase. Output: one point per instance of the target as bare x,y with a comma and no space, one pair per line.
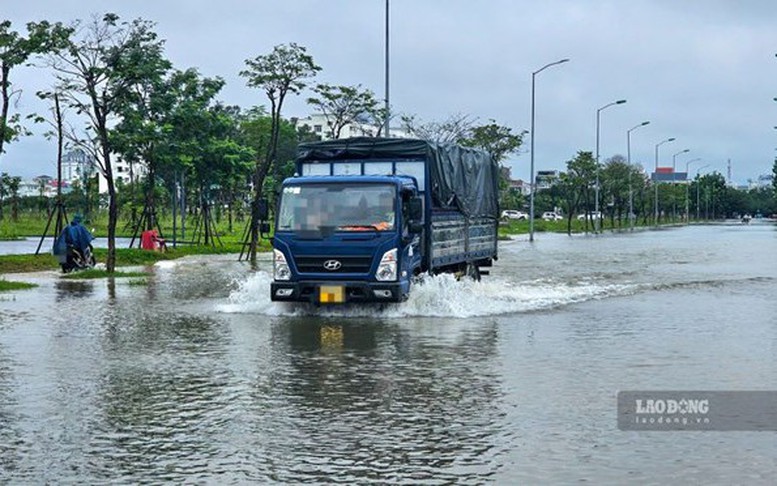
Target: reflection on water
198,377
73,289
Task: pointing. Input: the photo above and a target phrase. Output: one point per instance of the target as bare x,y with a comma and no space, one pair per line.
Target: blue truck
363,216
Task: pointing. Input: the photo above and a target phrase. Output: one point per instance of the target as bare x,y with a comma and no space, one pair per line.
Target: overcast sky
702,71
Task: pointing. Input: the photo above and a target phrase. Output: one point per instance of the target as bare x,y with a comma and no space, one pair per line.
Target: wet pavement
197,377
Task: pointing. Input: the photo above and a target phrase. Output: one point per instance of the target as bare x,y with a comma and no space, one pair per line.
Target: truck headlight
387,270
280,268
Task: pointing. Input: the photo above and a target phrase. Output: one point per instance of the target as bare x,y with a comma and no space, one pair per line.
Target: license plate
331,294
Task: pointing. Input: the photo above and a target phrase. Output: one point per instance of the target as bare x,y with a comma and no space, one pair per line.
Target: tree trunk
262,169
113,209
113,214
4,71
150,212
230,205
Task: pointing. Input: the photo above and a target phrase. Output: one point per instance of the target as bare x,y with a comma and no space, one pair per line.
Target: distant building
667,174
42,185
520,186
514,184
544,179
29,188
123,173
77,165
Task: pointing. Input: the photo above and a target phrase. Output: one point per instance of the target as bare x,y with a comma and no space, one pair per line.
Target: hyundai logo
332,265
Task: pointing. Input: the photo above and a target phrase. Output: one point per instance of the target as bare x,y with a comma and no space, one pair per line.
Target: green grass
8,285
512,227
124,257
27,263
94,273
137,282
32,223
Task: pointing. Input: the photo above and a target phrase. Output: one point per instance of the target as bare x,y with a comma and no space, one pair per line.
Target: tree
95,72
13,190
711,189
141,135
282,72
451,130
577,183
774,179
15,50
497,140
4,180
186,130
641,192
615,187
221,159
342,105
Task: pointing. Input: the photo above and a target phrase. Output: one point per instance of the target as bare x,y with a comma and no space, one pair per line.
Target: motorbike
75,259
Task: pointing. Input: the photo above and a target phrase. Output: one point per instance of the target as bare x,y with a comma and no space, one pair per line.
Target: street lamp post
674,181
687,188
628,159
655,183
531,179
596,196
698,184
387,104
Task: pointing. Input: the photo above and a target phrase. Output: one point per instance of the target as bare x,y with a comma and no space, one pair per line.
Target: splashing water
439,296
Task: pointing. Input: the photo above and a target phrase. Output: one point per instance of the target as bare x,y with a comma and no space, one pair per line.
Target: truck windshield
339,207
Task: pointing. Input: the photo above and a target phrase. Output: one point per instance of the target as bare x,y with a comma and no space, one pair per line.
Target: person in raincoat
73,246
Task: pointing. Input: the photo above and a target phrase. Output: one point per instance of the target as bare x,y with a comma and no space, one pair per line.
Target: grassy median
8,285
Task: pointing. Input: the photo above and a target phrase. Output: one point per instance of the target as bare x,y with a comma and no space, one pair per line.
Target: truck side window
406,196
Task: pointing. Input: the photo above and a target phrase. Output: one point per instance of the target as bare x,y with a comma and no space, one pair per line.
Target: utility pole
388,109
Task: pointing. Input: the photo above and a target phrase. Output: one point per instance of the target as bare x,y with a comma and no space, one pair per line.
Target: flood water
197,377
30,244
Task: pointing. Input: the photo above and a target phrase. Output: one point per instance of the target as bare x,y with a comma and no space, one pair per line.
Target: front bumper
310,291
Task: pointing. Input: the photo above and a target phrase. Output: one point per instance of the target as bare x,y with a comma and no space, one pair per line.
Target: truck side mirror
415,209
263,209
264,227
415,227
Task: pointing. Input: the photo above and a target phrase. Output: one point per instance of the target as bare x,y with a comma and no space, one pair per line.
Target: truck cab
363,216
350,238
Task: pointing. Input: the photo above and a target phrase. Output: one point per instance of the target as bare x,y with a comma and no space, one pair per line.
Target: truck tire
473,271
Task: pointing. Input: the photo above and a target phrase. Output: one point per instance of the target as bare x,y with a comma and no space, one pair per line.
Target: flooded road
198,377
29,244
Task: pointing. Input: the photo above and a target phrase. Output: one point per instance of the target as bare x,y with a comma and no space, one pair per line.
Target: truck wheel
473,272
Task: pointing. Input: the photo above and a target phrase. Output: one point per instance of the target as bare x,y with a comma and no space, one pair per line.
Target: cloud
699,71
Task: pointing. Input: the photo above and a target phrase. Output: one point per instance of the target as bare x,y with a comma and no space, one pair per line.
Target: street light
628,158
596,197
687,188
656,176
531,176
387,104
674,158
698,184
674,181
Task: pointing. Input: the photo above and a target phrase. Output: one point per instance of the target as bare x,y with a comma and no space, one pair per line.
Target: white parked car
551,216
513,214
592,215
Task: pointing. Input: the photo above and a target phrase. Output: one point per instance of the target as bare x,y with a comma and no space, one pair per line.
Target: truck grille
348,264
